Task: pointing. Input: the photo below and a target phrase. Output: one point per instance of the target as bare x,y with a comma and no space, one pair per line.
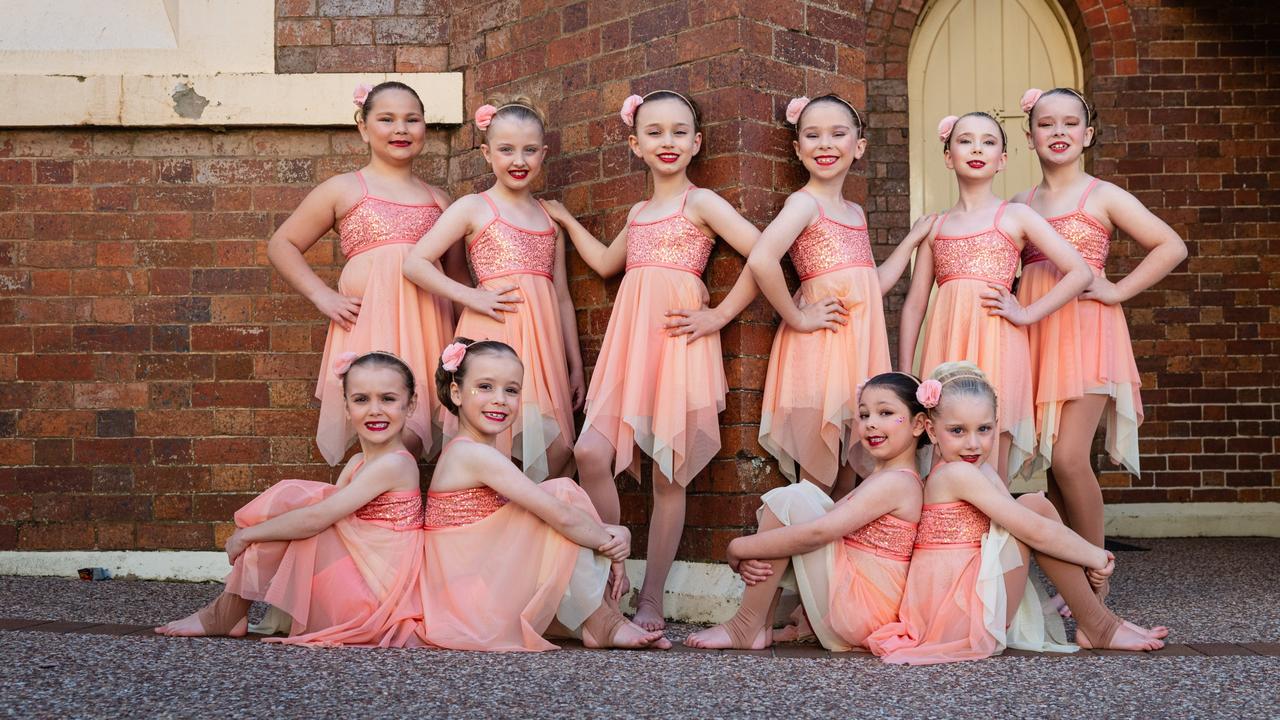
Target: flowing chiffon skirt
396,316
959,328
546,400
497,583
847,592
1082,348
354,583
809,408
660,393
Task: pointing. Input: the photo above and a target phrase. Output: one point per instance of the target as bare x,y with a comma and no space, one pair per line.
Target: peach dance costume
650,390
955,602
852,586
495,575
396,316
505,254
809,408
959,328
354,583
1084,346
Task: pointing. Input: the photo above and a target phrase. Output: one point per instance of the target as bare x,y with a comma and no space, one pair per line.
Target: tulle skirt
496,584
847,592
959,328
809,408
354,583
662,394
396,316
1082,348
546,401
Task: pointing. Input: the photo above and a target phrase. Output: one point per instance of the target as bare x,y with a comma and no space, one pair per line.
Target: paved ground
1219,597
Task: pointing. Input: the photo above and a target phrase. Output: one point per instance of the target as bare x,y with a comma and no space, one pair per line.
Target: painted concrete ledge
696,592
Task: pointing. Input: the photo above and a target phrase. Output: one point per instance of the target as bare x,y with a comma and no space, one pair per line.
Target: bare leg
666,525
595,455
1075,490
1097,626
558,459
751,627
227,615
846,479
798,631
1002,462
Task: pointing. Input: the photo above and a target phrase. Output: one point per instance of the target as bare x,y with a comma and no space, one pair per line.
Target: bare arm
1076,275
569,327
890,271
913,309
303,229
707,208
1165,248
606,260
765,264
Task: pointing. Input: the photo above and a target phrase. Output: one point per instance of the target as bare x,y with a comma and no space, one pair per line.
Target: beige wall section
981,55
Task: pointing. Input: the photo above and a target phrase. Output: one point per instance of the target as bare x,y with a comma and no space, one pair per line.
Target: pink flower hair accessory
945,126
857,392
1029,99
451,358
484,116
929,392
795,108
360,94
343,363
628,111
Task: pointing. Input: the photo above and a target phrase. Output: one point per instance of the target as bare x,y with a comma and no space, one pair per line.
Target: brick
55,367
345,8
303,32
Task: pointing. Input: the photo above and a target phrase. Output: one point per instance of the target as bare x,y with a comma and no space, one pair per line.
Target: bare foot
649,615
1126,638
798,631
717,638
627,635
227,615
190,626
1159,631
1057,602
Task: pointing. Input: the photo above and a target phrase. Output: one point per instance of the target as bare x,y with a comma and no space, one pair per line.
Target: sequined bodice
375,222
400,510
504,249
989,256
887,536
461,507
953,523
672,242
828,245
1088,236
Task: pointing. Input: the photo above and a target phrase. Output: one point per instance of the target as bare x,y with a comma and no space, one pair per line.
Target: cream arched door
981,55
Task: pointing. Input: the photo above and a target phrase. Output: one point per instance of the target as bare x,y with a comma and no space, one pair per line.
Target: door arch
981,55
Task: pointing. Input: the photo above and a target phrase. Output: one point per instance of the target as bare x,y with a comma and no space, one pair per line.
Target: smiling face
1059,129
489,396
515,150
976,149
666,135
377,403
963,427
394,128
885,423
828,141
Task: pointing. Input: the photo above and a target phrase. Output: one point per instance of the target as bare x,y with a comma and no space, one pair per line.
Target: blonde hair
519,107
962,378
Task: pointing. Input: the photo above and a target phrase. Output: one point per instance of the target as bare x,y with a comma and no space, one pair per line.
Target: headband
1033,95
451,358
930,391
633,103
857,391
484,113
796,107
343,364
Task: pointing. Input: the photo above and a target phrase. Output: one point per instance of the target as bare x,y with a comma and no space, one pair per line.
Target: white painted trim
220,100
696,592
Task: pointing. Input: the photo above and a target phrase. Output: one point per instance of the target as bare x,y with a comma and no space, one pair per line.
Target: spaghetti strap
364,188
1085,195
822,215
427,187
995,224
940,222
492,205
685,198
1032,196
550,222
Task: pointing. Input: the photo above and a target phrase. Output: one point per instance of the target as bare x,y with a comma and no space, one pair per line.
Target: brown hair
445,379
367,107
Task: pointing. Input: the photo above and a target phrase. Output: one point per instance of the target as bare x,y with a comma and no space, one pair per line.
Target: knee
666,489
592,451
1071,467
1039,504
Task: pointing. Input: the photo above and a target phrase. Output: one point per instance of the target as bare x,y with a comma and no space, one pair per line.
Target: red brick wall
155,372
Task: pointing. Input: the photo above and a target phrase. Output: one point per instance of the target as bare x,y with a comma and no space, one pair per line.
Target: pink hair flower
484,116
452,356
929,392
795,107
343,363
628,111
857,392
945,127
360,94
1029,99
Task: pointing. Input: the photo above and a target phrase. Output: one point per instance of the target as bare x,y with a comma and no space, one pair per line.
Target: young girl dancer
849,558
833,334
379,211
967,594
505,557
522,294
342,561
659,381
1081,358
973,255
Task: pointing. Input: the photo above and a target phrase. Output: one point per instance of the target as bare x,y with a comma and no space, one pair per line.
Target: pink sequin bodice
829,245
953,523
886,536
375,222
989,256
461,507
671,242
400,510
1088,236
502,248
